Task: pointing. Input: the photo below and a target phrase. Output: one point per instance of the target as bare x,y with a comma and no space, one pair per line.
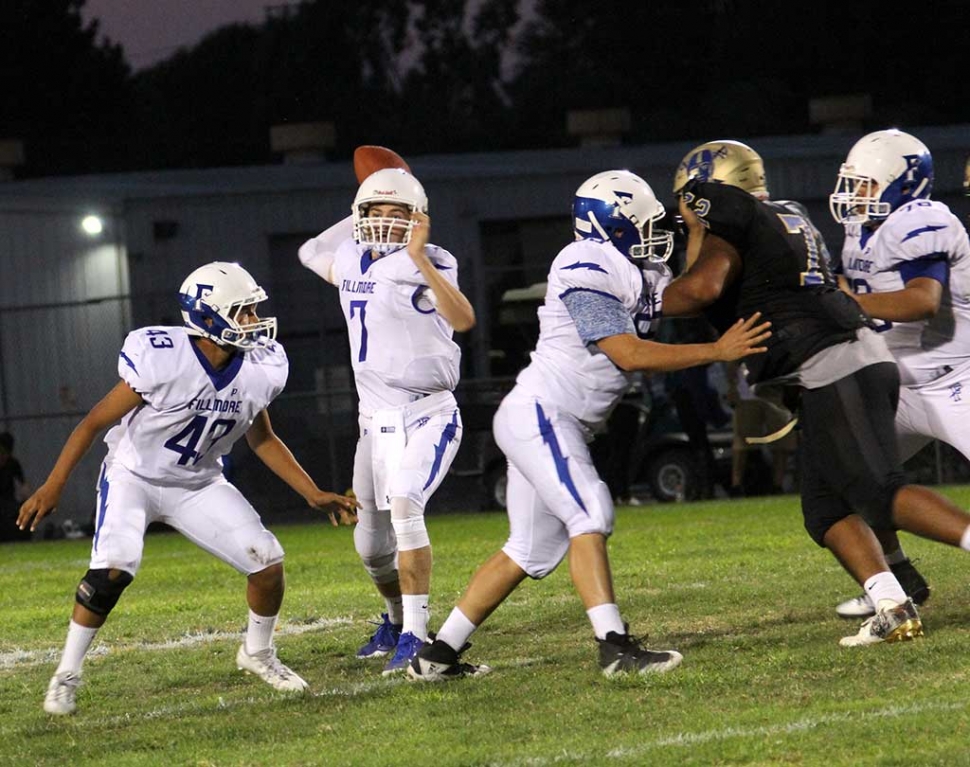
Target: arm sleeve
444,263
318,254
596,315
135,365
935,266
584,267
919,245
274,364
423,298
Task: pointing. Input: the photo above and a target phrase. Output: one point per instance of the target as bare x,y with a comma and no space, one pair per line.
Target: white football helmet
883,172
211,298
724,162
619,206
391,186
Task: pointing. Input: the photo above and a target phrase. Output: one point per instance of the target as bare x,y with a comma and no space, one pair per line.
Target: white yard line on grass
680,740
196,707
22,658
731,733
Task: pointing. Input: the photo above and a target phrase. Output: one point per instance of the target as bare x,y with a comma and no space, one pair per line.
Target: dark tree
65,93
215,103
693,69
453,98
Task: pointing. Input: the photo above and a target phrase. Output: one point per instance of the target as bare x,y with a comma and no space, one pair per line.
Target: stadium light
92,225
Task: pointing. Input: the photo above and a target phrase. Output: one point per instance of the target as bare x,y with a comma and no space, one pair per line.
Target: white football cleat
61,692
268,667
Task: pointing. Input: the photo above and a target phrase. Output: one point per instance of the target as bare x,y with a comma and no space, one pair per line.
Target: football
370,159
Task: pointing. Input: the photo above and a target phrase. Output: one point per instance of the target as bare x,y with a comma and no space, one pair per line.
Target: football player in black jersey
746,254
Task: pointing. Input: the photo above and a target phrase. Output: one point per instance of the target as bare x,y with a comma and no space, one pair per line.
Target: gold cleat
891,623
908,631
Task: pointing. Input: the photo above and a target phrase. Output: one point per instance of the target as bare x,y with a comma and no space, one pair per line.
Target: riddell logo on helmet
388,193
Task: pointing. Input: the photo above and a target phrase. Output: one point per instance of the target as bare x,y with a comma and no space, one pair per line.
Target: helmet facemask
391,186
383,233
856,199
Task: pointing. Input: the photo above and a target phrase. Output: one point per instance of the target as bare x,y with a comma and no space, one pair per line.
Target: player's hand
420,235
743,338
38,506
341,509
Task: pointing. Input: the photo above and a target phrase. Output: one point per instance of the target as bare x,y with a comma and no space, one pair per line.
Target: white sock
897,556
415,615
79,639
884,586
395,610
606,618
965,539
456,630
259,634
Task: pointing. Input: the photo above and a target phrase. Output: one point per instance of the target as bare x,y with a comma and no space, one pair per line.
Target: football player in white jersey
186,394
402,304
603,295
906,259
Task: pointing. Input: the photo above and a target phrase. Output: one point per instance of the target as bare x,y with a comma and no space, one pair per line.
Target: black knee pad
99,592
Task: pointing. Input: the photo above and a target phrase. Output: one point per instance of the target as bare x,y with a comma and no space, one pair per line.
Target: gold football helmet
724,162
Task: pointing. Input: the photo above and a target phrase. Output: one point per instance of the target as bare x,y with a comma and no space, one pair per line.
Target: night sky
152,30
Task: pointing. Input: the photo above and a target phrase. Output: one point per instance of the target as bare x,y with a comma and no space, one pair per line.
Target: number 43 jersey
192,414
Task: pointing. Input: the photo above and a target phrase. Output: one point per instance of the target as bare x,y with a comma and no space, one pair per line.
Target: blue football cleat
407,647
383,641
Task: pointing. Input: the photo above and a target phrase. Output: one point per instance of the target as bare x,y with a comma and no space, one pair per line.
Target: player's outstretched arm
450,302
742,339
318,253
115,405
277,456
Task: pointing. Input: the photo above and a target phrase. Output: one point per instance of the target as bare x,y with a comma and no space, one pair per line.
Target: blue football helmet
211,299
620,207
884,171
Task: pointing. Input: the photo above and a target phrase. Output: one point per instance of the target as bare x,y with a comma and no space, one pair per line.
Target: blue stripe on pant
561,461
103,487
447,436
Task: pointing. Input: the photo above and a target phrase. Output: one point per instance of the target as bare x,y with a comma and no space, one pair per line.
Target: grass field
737,587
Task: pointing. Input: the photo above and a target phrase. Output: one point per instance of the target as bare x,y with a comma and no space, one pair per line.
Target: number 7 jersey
192,414
401,349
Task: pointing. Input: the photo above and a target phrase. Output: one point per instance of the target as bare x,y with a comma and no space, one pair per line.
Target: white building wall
63,316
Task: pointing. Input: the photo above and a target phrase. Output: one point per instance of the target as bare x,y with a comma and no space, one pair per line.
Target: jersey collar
220,378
